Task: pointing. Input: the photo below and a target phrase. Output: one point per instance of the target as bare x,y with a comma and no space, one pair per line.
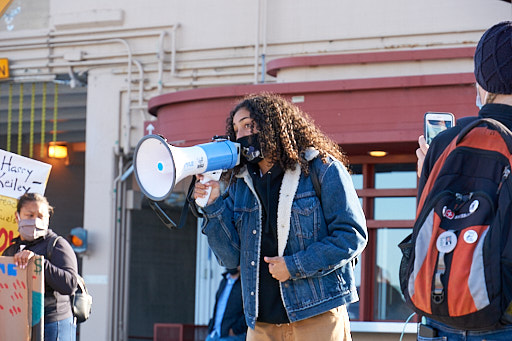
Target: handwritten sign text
20,175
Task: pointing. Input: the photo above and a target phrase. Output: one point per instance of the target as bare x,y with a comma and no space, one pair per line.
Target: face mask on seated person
31,229
251,148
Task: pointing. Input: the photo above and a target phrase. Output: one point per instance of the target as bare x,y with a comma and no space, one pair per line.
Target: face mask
478,100
31,229
251,148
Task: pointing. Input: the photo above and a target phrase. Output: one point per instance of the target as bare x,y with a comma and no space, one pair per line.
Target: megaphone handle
212,175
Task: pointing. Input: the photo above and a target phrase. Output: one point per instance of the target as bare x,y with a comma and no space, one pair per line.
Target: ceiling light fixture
377,153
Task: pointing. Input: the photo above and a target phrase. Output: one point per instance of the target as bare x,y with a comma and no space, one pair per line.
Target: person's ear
17,217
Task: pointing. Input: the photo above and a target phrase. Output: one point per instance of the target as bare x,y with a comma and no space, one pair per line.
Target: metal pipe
264,35
126,270
173,49
204,83
140,103
160,56
114,290
56,37
257,43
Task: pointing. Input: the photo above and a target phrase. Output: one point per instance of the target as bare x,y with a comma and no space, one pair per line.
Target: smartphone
436,122
426,331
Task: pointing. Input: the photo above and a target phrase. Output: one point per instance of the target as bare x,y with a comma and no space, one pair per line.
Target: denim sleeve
346,235
219,228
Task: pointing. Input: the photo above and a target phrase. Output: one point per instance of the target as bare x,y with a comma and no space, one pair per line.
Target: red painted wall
361,115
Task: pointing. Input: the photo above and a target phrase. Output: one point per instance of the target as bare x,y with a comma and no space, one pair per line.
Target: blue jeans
63,330
445,333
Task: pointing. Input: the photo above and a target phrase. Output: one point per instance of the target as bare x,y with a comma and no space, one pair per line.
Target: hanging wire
9,118
55,111
43,120
405,324
32,108
20,119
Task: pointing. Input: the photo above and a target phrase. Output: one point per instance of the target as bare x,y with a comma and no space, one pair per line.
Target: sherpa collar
286,194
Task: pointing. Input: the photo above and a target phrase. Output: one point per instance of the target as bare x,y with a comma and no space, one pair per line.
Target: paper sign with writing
21,300
8,226
20,175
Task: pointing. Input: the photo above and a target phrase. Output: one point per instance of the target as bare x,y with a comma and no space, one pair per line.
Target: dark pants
445,333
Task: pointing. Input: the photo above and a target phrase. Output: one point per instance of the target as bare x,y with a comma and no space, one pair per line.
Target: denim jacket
318,239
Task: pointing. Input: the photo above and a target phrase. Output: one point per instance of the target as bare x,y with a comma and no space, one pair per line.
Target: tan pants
329,326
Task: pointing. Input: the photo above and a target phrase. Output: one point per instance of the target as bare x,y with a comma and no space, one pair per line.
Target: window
388,302
387,190
395,176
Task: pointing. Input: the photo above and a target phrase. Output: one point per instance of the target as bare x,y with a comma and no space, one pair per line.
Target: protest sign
18,175
8,226
21,300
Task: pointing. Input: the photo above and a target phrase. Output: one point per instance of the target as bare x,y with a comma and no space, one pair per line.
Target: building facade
99,75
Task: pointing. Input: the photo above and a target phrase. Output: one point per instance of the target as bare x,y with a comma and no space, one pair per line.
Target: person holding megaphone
293,239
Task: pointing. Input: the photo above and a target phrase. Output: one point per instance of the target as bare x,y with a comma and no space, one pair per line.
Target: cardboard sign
22,300
20,175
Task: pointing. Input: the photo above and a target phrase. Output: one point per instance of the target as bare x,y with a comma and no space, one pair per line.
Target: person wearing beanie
493,74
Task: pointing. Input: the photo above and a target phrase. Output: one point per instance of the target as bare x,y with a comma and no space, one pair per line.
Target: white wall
232,23
101,168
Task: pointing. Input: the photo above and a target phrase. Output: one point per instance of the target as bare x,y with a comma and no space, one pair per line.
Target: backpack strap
506,134
50,246
501,142
314,180
318,191
81,284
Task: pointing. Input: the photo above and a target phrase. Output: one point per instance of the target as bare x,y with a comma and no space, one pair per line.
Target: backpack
81,300
457,263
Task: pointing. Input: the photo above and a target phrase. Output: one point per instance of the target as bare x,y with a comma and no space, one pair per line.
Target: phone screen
436,123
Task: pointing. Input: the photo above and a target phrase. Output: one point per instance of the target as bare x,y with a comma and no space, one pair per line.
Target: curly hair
286,132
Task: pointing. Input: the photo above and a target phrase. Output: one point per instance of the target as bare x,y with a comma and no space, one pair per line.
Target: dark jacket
59,274
318,238
500,112
234,317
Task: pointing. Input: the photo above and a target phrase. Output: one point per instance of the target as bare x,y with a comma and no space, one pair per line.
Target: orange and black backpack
457,263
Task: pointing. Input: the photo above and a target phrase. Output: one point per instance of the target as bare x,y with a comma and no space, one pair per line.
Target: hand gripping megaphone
159,166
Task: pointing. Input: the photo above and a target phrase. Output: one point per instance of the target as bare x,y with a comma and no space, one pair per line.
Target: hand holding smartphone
436,122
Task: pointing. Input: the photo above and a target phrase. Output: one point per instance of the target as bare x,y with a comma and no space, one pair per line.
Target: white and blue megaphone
159,166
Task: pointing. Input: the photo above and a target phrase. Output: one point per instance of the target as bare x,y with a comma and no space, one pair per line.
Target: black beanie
493,59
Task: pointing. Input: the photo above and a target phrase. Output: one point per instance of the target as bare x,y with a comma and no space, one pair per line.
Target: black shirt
267,186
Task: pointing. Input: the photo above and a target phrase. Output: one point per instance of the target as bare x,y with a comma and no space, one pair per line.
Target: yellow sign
4,67
8,225
4,4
